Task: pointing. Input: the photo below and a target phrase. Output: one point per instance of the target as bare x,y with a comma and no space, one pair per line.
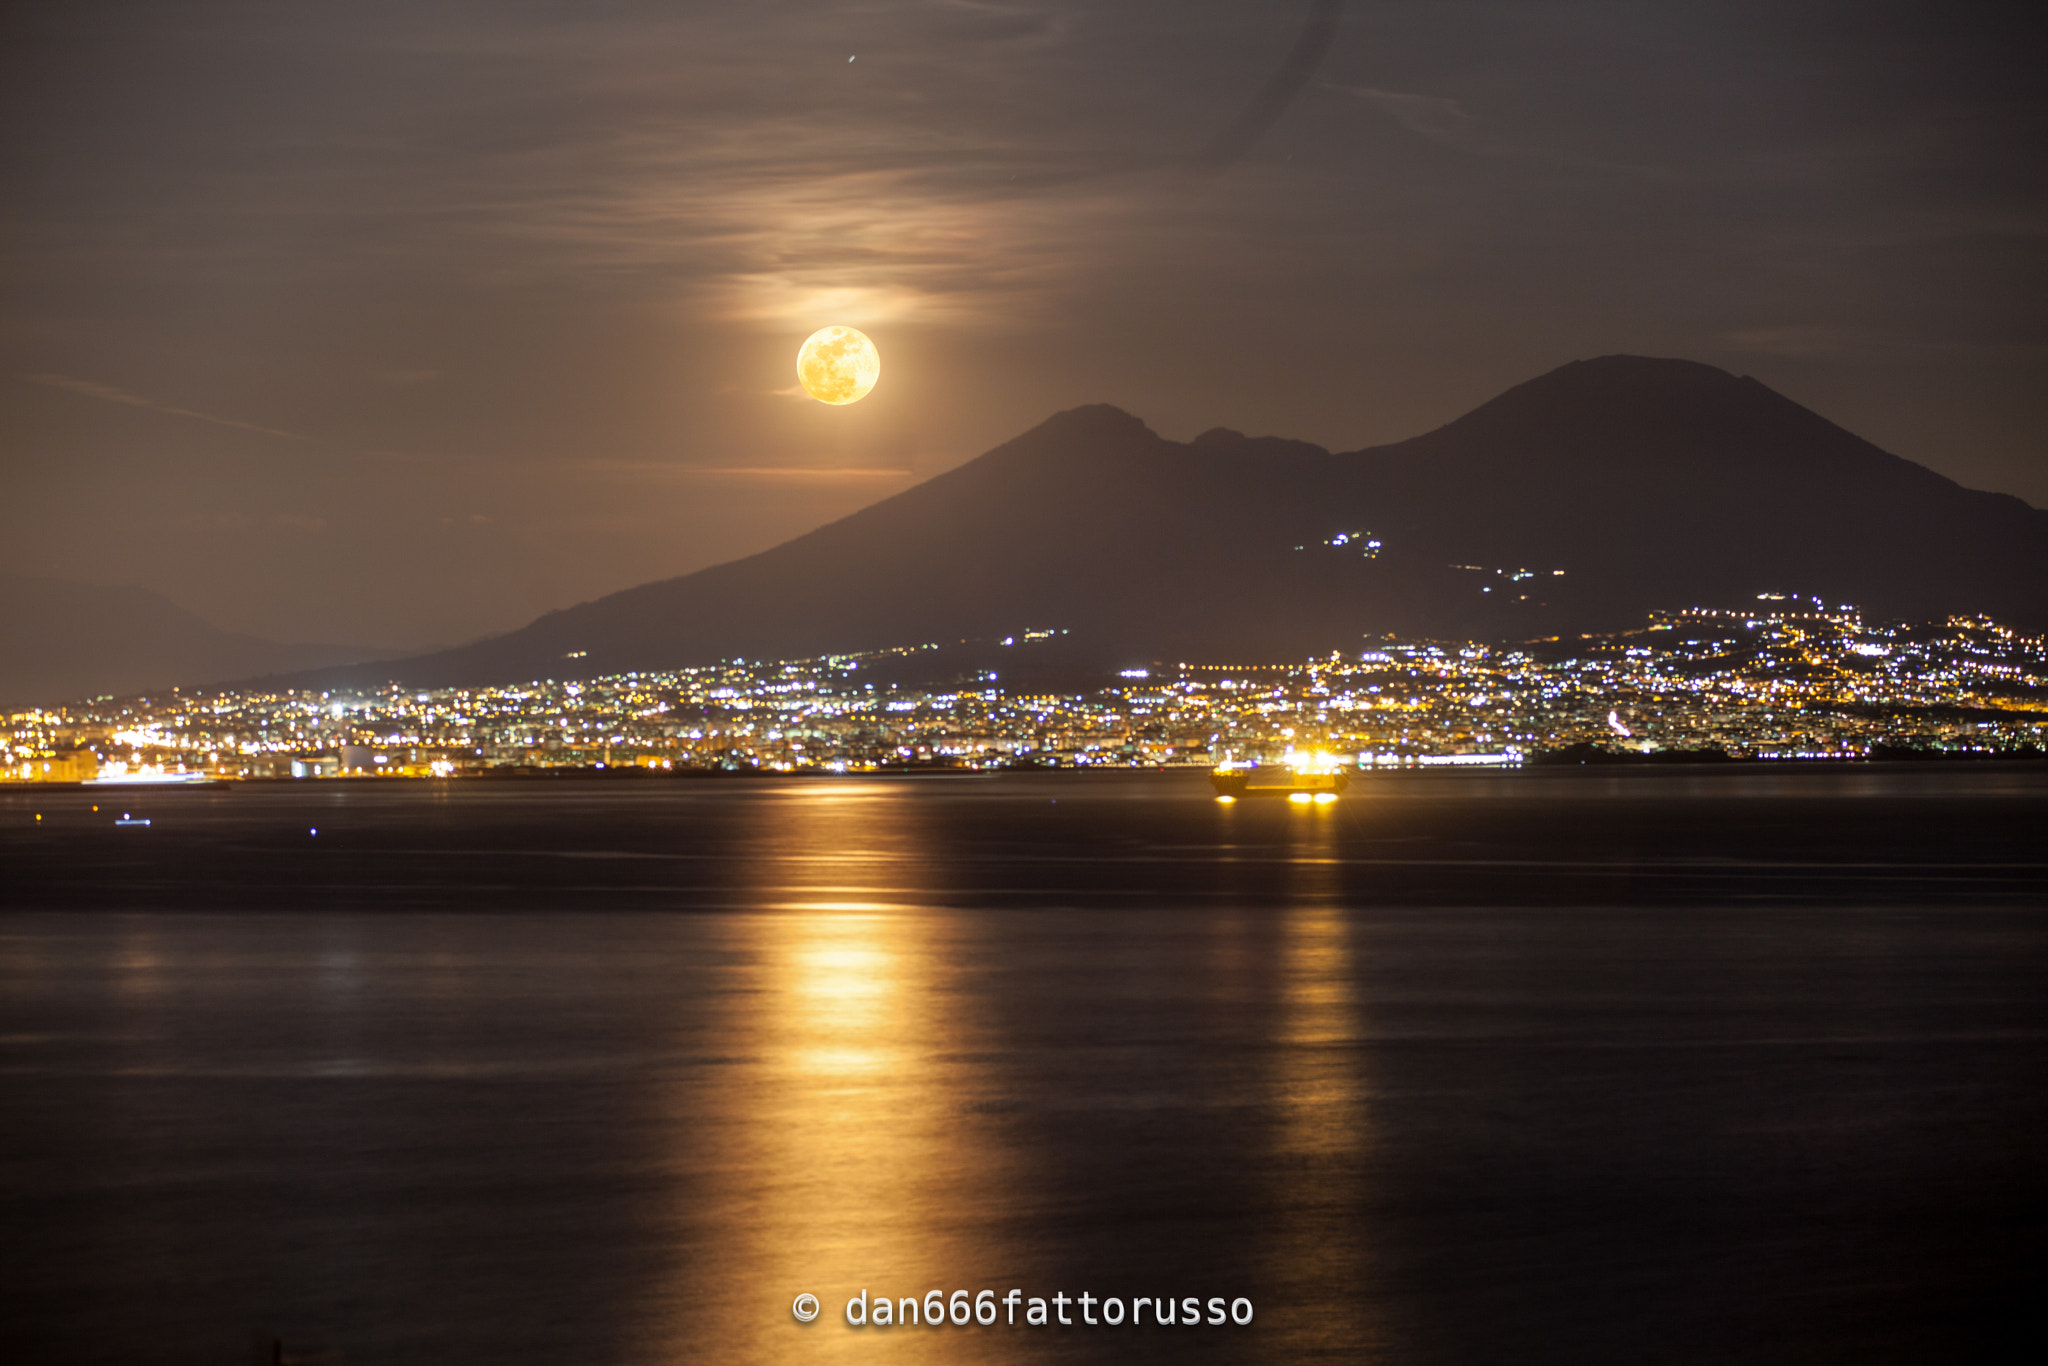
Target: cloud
793,474
1829,341
1449,123
766,474
932,183
786,224
1797,342
1433,116
279,521
107,392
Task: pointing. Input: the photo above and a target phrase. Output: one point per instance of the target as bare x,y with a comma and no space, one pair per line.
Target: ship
1299,777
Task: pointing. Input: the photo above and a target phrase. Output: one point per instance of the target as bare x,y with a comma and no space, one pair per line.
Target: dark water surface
1686,1066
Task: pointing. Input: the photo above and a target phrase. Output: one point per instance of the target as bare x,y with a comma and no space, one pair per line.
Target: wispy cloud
767,474
1433,116
1798,342
784,225
931,183
277,521
1446,121
982,165
1826,341
107,392
796,474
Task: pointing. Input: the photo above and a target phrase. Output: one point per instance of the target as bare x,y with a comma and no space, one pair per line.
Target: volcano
1579,501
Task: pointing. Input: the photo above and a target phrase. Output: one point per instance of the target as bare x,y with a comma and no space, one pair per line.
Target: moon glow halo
838,365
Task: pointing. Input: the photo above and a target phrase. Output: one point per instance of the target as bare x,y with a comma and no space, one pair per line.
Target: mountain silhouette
60,639
1649,483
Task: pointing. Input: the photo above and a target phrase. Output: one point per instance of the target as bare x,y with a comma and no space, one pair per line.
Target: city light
1780,680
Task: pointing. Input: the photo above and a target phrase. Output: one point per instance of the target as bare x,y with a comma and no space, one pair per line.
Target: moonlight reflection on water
1554,1067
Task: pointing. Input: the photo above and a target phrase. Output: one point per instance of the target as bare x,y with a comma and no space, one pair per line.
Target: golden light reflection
843,991
1322,1132
849,1150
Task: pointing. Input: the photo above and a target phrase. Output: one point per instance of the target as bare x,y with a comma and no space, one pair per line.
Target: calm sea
1715,1065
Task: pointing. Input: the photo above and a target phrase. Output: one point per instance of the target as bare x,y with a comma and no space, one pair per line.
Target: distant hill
1648,483
61,641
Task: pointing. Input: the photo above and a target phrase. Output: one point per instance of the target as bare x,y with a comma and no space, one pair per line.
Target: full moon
838,365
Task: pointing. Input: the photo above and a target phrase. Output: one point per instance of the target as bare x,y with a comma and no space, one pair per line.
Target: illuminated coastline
1762,682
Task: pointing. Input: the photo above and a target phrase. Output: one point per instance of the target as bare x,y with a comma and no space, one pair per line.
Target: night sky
402,323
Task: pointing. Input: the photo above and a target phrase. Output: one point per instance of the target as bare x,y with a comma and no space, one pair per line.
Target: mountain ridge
62,640
1650,483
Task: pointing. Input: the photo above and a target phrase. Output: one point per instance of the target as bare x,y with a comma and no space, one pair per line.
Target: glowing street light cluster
1779,679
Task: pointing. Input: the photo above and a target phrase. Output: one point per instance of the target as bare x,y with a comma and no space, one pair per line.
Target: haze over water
1694,1065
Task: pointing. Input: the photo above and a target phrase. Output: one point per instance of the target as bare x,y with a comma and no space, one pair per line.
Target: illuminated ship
1298,777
